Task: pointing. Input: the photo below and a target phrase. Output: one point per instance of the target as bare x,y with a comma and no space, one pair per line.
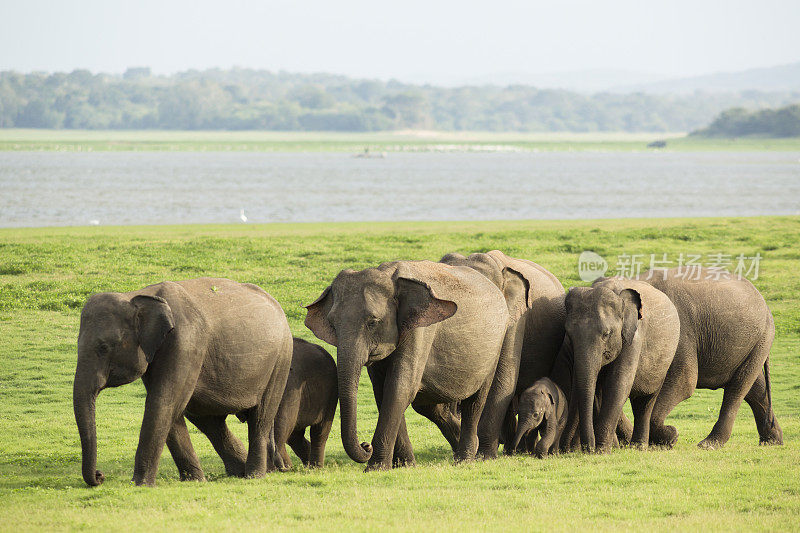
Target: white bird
94,222
242,217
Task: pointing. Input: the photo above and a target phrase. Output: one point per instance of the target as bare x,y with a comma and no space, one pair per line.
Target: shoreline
12,139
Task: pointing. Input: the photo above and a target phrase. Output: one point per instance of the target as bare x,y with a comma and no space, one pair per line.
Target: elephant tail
768,386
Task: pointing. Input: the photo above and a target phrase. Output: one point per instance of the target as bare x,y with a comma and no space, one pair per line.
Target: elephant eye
606,333
102,348
372,322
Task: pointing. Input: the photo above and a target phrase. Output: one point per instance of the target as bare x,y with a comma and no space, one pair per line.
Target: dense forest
738,122
244,99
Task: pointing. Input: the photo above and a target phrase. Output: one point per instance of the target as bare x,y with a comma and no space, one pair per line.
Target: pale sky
411,40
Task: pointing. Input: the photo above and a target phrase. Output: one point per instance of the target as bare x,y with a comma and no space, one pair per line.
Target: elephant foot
372,467
665,436
774,437
192,476
639,445
710,443
400,462
488,454
463,457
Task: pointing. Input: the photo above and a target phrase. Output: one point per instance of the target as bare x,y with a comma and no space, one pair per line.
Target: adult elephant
429,333
726,335
204,348
535,301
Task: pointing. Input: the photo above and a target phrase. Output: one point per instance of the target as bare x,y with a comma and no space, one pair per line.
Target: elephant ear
154,321
517,291
631,313
317,317
417,305
550,398
574,294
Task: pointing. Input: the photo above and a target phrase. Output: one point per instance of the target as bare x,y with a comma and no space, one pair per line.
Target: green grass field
401,141
46,275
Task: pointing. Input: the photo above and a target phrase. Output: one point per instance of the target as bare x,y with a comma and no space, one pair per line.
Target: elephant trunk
523,428
83,402
583,390
349,372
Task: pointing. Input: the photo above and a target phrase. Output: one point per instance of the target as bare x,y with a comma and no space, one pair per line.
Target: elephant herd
488,347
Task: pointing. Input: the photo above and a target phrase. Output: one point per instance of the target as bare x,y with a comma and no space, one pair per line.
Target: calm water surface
55,189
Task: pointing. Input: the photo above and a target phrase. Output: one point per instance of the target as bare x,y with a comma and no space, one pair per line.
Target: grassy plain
399,141
47,273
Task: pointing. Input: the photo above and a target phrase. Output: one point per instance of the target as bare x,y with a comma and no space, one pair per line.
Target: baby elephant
543,409
309,399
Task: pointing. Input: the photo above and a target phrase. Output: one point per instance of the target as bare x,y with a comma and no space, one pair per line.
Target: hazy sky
411,40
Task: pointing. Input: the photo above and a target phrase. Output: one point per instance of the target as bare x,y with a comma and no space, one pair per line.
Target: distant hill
737,122
246,99
769,79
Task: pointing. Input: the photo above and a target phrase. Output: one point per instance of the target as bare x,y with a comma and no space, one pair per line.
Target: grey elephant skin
428,333
535,300
204,348
309,401
542,411
726,334
623,335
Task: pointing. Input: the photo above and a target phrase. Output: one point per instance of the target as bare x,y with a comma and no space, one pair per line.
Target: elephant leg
501,391
509,429
678,386
769,431
182,451
548,437
230,449
642,411
442,415
570,437
284,428
164,404
403,453
616,387
735,391
625,429
260,425
300,446
319,437
471,410
401,384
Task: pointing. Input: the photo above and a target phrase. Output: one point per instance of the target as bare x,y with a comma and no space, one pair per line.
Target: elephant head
119,336
536,404
600,323
366,315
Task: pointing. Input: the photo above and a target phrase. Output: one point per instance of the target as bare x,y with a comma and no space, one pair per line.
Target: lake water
64,189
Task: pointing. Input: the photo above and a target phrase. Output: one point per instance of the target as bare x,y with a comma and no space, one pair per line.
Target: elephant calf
542,409
309,399
204,348
623,335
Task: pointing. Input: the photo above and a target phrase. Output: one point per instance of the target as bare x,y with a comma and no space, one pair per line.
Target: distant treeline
244,99
738,122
